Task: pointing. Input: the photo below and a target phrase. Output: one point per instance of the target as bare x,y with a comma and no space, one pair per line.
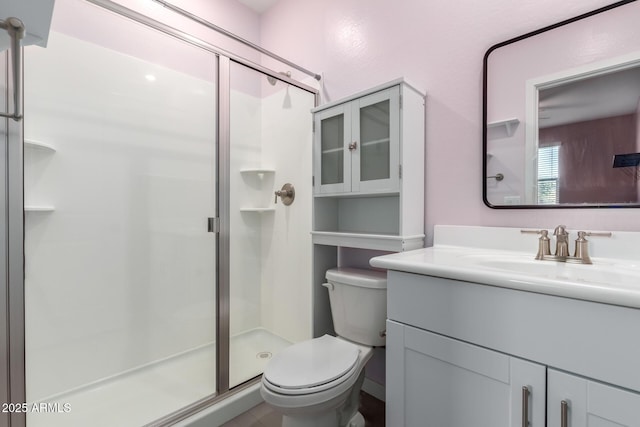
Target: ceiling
607,95
259,6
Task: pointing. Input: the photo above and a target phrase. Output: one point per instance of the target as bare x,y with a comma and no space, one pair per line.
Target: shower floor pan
142,395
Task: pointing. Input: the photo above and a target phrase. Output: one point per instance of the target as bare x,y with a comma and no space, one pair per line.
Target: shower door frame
12,373
12,333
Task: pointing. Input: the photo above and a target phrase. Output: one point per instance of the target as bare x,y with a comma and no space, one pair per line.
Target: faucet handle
544,246
582,250
593,233
542,232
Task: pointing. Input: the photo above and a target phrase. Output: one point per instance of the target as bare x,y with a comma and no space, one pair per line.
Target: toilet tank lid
358,277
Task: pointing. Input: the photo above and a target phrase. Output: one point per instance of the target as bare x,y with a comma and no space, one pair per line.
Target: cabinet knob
353,145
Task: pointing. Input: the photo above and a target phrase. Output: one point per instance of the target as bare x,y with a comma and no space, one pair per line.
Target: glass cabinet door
332,157
376,128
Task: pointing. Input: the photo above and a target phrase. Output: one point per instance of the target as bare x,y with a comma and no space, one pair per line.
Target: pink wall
438,46
586,152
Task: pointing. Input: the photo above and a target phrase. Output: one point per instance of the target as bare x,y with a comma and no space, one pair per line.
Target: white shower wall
245,191
286,238
270,251
121,273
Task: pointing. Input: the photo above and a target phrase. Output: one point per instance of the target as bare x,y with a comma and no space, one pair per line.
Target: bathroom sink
607,280
602,272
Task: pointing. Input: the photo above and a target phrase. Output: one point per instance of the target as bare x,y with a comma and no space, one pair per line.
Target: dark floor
263,416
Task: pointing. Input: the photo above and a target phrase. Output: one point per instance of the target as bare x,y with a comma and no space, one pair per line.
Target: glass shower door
270,248
119,183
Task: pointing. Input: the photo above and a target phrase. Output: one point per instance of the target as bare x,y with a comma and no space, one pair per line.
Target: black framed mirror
561,114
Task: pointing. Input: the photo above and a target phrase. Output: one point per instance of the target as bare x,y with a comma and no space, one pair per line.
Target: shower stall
159,272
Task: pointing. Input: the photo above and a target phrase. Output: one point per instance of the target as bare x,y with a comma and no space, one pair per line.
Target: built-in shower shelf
39,208
30,143
258,210
257,170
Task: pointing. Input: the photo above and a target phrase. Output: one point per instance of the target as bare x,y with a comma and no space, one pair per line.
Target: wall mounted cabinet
368,186
369,169
357,145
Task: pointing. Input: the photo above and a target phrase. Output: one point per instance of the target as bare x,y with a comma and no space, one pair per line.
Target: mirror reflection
562,122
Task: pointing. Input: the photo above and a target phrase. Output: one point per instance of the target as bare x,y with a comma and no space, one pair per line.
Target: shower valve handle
287,194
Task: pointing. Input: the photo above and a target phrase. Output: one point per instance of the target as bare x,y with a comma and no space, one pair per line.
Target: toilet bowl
316,383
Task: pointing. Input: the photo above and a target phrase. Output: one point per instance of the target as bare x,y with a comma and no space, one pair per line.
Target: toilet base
346,410
356,421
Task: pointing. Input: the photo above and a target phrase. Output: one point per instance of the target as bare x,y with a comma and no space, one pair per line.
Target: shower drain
264,355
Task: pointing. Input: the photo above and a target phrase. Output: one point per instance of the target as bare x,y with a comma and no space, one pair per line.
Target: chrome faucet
581,253
562,241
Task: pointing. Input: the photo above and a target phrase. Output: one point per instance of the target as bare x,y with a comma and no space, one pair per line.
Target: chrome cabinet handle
525,406
564,414
353,145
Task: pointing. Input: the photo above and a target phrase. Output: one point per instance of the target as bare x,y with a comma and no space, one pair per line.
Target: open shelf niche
45,148
260,174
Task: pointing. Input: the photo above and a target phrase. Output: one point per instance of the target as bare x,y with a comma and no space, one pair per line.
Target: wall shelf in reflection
30,143
39,208
257,170
508,126
258,210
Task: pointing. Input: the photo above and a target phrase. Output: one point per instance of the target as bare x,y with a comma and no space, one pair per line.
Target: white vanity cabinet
436,381
584,402
460,353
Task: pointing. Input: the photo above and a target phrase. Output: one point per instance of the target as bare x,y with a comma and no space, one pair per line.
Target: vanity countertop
609,280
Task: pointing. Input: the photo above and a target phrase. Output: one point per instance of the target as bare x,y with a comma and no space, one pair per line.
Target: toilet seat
312,366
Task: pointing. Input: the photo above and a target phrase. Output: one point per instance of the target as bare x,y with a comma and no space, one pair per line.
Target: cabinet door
435,381
376,133
332,159
589,403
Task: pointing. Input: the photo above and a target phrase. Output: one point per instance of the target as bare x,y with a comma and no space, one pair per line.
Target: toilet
316,383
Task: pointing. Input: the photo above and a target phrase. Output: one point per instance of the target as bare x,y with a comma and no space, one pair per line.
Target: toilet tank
358,300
